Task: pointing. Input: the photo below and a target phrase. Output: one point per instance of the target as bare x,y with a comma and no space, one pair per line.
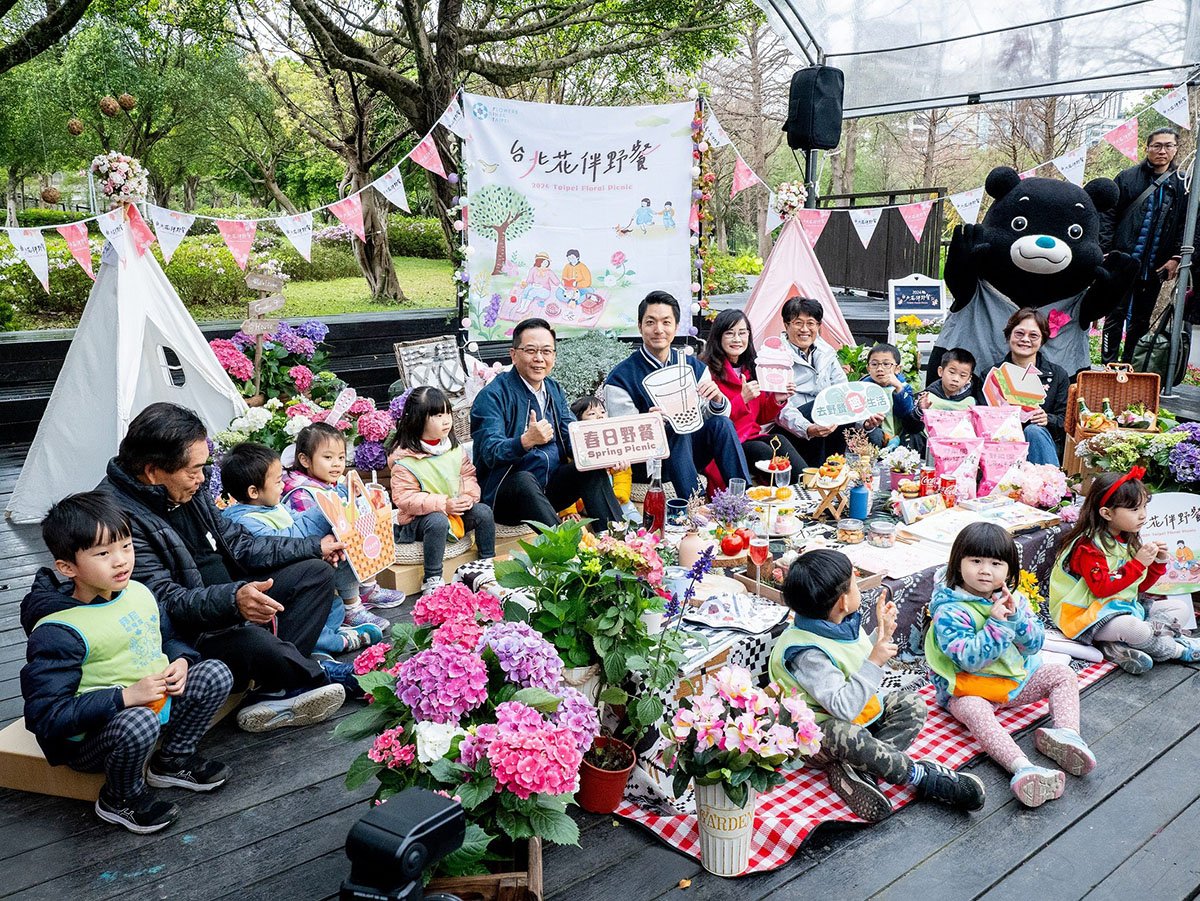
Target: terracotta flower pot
600,791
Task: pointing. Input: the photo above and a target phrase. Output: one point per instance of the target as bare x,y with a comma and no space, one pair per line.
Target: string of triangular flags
1173,106
172,226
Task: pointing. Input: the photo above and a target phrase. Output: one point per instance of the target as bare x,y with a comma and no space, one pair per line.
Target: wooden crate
523,884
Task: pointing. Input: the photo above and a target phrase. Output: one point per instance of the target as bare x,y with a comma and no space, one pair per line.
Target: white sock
1021,763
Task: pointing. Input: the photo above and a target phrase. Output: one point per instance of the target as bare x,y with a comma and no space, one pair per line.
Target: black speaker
814,120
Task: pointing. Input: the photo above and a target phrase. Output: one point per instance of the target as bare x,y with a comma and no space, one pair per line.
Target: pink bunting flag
694,219
1027,173
915,216
139,231
813,222
426,156
1125,138
76,236
350,213
239,238
743,177
30,246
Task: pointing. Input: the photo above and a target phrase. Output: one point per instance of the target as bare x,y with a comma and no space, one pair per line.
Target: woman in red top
729,355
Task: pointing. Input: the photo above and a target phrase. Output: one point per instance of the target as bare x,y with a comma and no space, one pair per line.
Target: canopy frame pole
1187,251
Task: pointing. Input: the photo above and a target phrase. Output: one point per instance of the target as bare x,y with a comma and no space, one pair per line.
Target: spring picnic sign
620,441
575,213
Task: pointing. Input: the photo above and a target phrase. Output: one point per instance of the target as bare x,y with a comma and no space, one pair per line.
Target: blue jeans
716,441
1041,445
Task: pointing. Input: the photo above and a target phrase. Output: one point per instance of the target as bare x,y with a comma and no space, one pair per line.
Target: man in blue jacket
521,450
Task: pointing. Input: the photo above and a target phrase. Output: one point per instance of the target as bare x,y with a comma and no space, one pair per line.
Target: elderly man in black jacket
255,603
1146,223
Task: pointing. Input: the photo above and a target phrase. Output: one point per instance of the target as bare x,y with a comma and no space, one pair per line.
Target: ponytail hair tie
1135,473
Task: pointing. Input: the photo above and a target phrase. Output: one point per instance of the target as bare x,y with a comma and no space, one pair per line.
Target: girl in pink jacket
433,484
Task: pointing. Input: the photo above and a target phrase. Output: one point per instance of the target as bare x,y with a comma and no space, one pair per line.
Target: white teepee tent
136,344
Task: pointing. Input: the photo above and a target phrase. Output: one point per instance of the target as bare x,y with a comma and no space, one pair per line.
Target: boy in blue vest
106,679
837,669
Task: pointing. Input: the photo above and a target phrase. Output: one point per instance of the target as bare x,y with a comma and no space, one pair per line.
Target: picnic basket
437,362
1121,385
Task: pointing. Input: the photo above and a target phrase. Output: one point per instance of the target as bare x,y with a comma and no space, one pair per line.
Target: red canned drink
929,481
949,491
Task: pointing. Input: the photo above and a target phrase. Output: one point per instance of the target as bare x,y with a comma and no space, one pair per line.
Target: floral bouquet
474,707
902,459
738,736
911,324
1119,450
290,356
119,177
789,198
1041,486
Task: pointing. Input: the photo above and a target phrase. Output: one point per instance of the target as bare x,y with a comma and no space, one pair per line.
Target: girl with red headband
1102,567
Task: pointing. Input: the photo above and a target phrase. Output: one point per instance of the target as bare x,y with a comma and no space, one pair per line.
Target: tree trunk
931,136
190,184
722,234
842,171
760,215
501,249
282,199
11,196
374,256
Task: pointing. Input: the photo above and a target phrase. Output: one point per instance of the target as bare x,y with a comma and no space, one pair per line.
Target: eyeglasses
1027,336
546,352
742,334
1163,146
881,364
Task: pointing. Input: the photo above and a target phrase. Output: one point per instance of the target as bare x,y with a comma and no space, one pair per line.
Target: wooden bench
407,577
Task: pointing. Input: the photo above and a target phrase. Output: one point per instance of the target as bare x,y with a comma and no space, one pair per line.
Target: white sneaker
303,709
431,583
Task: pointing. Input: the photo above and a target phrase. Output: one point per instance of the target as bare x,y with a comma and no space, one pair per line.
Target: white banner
1071,164
967,203
299,230
864,222
112,226
575,212
171,227
1175,107
31,247
391,186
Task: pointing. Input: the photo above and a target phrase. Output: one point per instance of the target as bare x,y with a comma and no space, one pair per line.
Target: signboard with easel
269,300
916,295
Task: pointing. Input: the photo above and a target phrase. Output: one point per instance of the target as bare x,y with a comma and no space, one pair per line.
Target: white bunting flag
715,133
299,230
31,247
1071,164
864,222
454,120
774,220
967,203
112,226
1175,107
171,227
391,186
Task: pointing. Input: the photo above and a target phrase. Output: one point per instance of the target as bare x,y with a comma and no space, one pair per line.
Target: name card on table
620,441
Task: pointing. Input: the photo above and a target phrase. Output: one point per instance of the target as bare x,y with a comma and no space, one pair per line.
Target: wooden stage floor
277,830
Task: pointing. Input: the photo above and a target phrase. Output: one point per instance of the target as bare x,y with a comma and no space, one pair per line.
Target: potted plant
904,463
732,741
457,703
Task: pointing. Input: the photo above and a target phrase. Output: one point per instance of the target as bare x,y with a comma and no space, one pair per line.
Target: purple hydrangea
441,684
578,716
313,329
215,486
1184,461
242,341
370,455
525,658
396,407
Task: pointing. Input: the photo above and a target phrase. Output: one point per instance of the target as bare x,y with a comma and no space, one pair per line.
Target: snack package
996,460
1001,423
959,458
949,424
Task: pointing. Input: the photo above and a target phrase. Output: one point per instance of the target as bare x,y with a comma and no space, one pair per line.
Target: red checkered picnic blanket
785,816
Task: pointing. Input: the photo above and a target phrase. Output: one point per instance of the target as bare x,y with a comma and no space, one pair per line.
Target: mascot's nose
1046,241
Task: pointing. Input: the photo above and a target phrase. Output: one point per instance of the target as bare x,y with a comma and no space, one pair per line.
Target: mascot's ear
1001,180
1104,193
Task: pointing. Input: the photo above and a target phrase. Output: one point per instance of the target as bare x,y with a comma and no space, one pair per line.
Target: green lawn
427,284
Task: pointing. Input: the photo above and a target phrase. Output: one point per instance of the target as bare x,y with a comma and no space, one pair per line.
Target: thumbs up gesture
537,433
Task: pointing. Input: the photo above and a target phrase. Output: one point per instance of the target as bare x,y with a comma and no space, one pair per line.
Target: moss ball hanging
51,195
127,102
75,126
109,106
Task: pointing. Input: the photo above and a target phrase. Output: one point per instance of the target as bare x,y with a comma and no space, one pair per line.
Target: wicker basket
1120,384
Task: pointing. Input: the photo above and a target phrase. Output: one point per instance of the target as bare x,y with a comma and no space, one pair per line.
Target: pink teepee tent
792,268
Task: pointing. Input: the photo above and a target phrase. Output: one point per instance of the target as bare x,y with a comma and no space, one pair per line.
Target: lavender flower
672,607
727,507
525,658
215,486
492,312
370,455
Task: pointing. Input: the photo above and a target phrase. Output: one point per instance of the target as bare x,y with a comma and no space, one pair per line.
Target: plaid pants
120,750
879,749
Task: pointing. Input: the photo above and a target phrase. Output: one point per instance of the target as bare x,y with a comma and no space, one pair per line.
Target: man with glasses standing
1147,223
521,450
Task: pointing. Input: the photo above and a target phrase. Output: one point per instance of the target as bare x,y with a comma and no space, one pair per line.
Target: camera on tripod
392,846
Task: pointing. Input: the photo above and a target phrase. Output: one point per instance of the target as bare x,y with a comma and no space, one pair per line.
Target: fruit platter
833,473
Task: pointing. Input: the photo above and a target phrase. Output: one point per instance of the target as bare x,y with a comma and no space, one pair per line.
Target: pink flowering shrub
303,378
452,601
389,750
232,360
442,683
528,755
374,425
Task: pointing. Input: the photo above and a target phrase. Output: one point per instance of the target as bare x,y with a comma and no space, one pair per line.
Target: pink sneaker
378,598
358,615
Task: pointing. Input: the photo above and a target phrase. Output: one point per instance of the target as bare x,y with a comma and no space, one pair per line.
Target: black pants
757,449
279,660
1137,307
815,450
520,498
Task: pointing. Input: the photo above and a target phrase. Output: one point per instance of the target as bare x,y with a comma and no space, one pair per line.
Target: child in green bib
434,486
106,679
837,669
982,649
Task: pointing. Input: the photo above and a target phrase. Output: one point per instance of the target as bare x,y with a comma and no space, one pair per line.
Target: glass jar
850,531
882,534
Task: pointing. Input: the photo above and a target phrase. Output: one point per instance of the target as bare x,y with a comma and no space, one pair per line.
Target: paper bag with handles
363,523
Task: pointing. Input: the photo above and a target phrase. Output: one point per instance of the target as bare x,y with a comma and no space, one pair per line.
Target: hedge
37,217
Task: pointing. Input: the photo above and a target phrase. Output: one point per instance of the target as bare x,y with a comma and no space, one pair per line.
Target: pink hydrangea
458,631
526,759
362,405
371,659
473,747
454,600
303,409
441,684
375,425
303,378
578,715
232,360
390,750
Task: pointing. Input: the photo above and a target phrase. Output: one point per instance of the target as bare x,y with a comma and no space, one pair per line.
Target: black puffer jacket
55,655
1120,232
164,564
